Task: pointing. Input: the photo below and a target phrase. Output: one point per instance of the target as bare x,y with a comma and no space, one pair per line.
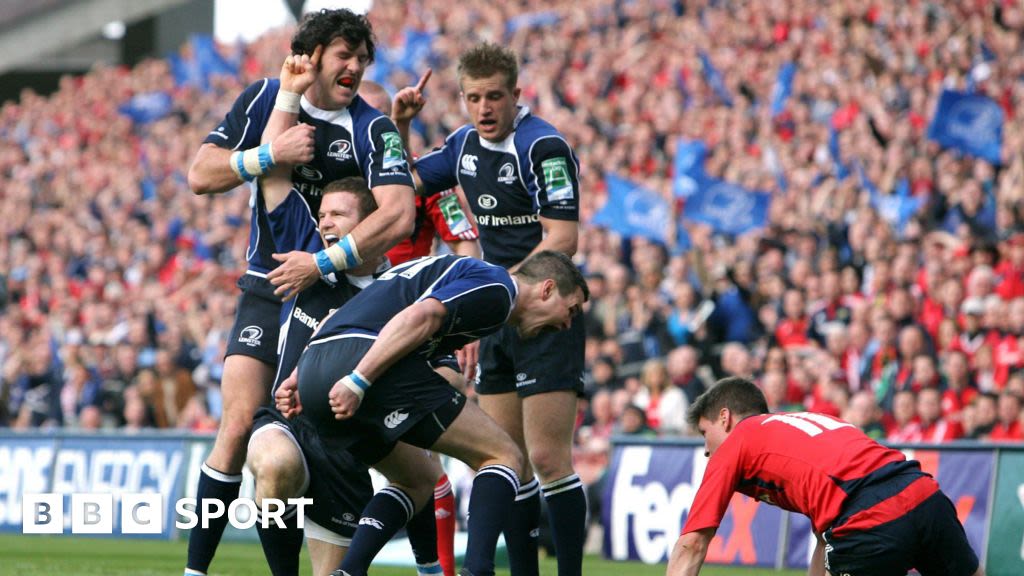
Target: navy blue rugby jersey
354,141
509,185
479,298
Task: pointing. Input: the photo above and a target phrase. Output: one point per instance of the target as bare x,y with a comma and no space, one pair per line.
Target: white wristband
357,383
287,101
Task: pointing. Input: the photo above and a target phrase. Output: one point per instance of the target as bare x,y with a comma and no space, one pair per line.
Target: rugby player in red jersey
872,510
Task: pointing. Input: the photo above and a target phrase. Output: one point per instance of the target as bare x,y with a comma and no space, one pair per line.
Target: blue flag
971,123
689,166
205,62
632,210
714,79
782,88
147,107
897,208
727,207
416,51
537,19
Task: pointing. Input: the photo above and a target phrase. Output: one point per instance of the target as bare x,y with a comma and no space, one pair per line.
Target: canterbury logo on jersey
491,220
395,419
468,165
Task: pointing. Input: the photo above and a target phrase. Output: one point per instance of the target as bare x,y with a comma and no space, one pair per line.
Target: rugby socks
203,542
444,515
281,545
422,534
523,529
490,503
567,512
387,512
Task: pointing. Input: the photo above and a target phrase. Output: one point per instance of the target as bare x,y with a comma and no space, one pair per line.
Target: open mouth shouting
330,239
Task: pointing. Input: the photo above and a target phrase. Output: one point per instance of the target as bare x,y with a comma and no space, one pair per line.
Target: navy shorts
338,484
547,363
410,402
929,538
257,320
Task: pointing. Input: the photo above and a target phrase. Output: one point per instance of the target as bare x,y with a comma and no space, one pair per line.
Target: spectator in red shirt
1007,427
960,388
985,415
878,512
934,428
1010,271
924,373
904,426
792,329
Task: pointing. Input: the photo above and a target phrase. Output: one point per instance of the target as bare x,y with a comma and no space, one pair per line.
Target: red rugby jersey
441,213
796,461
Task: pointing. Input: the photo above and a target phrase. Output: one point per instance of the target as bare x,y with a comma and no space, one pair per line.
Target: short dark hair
356,186
485,60
741,396
557,266
321,28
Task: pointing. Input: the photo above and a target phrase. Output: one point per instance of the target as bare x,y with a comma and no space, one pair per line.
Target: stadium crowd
117,282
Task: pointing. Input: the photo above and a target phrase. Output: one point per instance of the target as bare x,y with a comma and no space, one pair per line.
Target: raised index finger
315,58
423,80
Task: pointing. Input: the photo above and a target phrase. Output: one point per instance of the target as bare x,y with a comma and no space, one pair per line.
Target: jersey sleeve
243,125
478,297
438,169
721,478
386,162
450,220
556,172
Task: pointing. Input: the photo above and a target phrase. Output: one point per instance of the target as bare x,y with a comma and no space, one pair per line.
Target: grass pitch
58,555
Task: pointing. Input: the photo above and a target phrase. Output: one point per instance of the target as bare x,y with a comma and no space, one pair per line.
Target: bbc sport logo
143,513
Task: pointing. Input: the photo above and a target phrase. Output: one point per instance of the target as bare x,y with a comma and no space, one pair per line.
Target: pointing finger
423,80
315,60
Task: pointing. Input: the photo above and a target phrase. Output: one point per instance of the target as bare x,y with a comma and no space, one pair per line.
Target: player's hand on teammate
299,71
469,358
408,102
297,272
295,145
286,398
344,402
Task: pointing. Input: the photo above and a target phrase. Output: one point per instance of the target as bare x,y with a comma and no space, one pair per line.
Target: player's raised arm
405,106
288,143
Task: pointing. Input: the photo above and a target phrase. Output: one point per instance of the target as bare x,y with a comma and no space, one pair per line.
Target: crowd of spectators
118,281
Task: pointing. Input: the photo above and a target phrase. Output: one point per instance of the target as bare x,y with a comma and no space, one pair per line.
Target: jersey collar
506,145
326,115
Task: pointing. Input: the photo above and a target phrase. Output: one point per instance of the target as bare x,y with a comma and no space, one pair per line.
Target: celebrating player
521,180
339,136
872,510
